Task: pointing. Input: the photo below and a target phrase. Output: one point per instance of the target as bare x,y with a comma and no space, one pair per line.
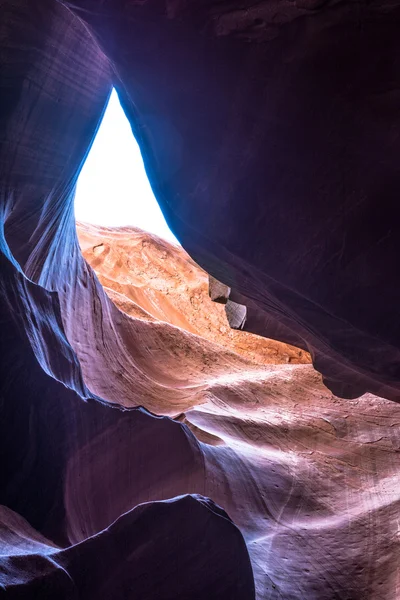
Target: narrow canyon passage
301,472
147,448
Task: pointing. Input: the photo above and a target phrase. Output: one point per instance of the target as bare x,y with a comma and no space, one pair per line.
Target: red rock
151,279
270,135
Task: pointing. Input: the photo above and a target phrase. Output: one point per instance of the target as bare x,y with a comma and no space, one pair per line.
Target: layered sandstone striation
145,454
152,279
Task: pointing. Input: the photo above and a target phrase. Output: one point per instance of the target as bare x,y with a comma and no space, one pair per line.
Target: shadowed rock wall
270,134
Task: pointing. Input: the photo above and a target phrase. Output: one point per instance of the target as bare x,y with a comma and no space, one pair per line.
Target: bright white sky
113,188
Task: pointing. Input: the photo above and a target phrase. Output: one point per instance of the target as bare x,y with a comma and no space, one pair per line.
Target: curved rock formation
129,557
149,278
284,185
270,134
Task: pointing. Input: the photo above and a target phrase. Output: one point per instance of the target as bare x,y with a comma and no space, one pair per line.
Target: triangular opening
113,188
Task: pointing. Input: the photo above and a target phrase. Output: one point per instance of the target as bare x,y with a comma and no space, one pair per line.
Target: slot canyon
218,420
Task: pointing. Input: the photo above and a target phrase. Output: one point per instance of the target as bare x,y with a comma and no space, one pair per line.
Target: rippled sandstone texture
270,133
151,279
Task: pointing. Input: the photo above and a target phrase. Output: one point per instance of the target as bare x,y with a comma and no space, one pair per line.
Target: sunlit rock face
151,279
270,134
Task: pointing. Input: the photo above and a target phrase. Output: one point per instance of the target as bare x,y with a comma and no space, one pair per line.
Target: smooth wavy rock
271,145
147,553
270,135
